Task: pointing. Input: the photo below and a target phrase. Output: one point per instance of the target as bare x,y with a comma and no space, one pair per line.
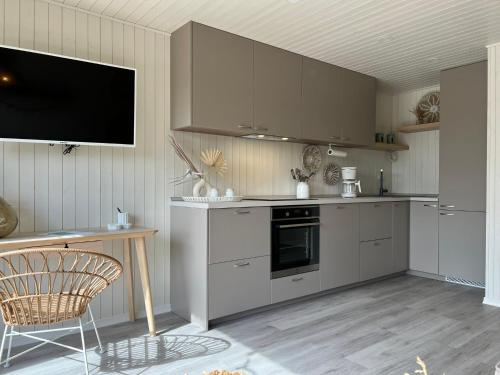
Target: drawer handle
345,138
447,206
376,205
340,207
376,244
242,212
334,137
443,214
244,126
314,224
430,205
260,129
295,279
236,265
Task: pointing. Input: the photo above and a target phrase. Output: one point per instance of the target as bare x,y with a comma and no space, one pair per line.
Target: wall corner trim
491,302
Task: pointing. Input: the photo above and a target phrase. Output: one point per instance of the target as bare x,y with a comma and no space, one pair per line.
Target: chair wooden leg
83,347
101,350
7,364
3,342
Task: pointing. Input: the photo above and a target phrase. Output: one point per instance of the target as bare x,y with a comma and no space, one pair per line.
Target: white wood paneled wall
51,191
416,170
263,167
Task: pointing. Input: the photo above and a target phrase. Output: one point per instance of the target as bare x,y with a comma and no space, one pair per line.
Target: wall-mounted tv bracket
67,148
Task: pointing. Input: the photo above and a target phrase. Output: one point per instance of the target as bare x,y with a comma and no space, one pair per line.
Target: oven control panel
293,212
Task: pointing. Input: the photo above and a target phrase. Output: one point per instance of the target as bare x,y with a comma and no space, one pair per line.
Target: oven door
295,247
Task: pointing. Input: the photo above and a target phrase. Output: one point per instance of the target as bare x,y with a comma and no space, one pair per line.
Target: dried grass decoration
223,372
213,158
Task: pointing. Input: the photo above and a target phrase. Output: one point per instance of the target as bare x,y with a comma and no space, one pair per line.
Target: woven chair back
46,286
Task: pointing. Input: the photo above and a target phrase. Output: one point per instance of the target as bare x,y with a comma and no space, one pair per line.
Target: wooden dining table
67,237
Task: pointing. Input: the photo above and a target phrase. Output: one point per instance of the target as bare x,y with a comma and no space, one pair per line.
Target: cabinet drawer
375,221
238,286
295,286
239,233
375,259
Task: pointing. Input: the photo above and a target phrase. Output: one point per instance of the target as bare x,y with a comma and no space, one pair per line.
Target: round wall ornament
311,158
428,108
331,174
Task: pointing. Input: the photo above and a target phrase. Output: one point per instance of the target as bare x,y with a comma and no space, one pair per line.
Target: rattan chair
49,286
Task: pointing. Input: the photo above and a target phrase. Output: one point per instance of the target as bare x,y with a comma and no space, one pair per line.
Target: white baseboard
101,323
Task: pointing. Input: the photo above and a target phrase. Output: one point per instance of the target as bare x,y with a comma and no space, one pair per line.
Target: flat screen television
46,98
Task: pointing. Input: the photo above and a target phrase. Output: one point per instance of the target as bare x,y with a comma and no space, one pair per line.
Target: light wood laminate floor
373,329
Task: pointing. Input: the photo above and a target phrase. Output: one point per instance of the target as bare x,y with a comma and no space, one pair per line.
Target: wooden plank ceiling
404,43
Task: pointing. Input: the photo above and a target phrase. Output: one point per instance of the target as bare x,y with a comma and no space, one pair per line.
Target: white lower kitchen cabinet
295,286
424,237
238,286
375,259
339,245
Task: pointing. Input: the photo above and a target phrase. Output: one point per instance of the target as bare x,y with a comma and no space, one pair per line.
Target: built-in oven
295,240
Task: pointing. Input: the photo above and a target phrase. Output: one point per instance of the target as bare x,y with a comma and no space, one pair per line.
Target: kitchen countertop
320,199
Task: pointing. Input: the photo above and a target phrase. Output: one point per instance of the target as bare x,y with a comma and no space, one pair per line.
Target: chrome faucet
381,189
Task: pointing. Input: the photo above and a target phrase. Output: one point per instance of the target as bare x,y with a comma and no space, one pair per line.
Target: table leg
129,272
140,247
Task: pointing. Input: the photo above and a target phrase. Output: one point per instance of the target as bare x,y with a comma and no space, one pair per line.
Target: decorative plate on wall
428,108
331,174
311,158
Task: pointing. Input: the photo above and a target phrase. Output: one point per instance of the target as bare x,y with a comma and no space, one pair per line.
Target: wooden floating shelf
379,146
419,128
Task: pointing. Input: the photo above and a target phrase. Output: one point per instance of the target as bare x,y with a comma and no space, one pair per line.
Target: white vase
302,190
202,184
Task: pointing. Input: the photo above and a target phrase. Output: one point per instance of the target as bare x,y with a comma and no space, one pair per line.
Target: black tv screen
55,99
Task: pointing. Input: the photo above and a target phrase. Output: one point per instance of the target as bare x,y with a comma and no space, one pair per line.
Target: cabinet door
462,138
339,245
239,233
238,286
424,237
400,235
222,80
277,94
375,221
462,237
375,259
321,101
358,108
